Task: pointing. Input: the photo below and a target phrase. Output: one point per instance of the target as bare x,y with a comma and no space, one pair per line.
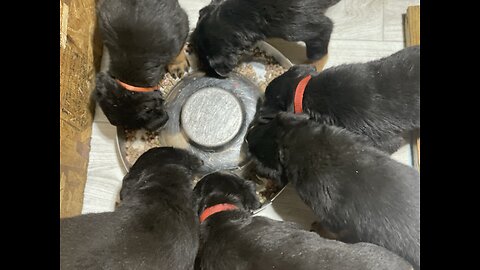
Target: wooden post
412,37
80,54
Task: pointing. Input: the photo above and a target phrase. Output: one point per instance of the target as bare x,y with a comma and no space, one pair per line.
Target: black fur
379,99
154,227
129,109
354,189
236,240
225,29
142,38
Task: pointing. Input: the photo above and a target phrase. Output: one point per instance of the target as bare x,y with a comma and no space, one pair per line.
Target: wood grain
412,38
412,26
393,18
80,54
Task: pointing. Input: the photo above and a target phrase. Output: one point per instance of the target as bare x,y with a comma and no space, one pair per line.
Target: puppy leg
323,231
317,46
179,65
316,36
318,228
320,64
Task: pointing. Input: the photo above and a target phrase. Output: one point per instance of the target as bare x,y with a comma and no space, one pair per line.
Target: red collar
136,88
298,100
215,209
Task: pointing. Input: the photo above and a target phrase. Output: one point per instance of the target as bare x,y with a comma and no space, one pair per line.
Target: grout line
383,20
368,40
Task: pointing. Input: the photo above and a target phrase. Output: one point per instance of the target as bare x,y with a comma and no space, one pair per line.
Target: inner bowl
209,117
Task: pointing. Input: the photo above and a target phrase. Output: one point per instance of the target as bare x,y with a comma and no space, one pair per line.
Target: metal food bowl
210,117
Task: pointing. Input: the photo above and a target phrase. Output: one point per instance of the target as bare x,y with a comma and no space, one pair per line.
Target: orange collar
136,88
298,100
215,209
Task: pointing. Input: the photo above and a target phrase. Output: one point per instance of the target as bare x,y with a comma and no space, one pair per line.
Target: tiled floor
364,30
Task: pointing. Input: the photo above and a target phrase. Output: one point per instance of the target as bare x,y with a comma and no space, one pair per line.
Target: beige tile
351,51
393,20
357,20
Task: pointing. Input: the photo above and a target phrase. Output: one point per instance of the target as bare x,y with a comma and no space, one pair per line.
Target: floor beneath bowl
364,30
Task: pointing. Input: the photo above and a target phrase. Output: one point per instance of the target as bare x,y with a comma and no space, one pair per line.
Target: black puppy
379,99
142,38
355,190
226,28
232,239
154,227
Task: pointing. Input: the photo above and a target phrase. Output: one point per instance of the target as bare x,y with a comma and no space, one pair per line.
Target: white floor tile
357,20
105,174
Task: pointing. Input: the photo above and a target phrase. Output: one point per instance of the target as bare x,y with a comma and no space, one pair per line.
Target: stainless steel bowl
210,117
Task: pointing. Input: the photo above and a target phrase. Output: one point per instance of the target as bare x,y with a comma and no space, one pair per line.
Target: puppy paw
179,66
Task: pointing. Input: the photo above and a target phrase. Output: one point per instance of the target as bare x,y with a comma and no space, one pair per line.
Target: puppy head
129,109
218,43
142,38
264,140
164,165
215,55
280,92
222,187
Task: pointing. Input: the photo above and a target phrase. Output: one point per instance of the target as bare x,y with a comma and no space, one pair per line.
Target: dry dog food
272,68
167,83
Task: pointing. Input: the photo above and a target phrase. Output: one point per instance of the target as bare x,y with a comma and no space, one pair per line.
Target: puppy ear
266,114
221,65
198,194
105,85
102,79
129,181
158,122
222,70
